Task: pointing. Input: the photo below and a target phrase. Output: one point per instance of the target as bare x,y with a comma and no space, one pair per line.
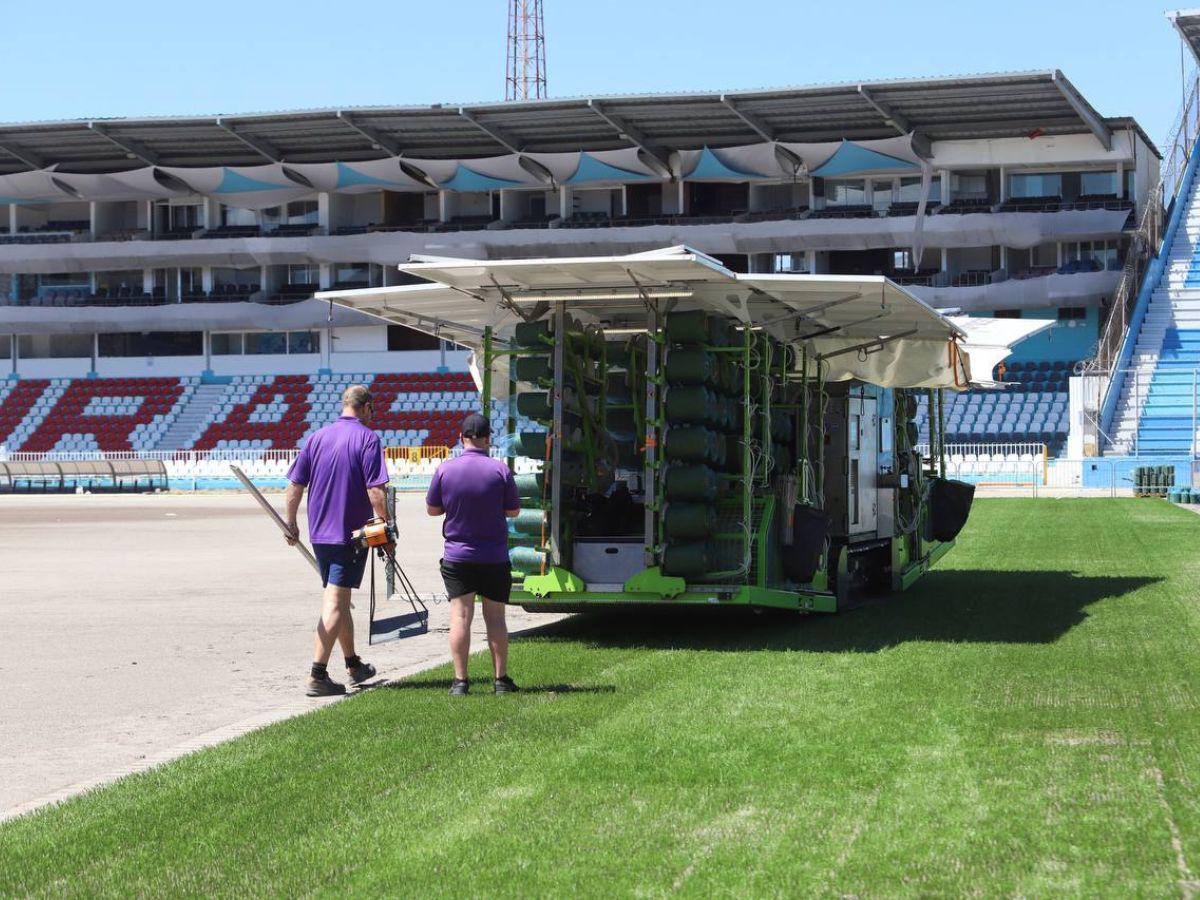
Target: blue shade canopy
852,159
592,169
350,177
235,183
710,167
466,179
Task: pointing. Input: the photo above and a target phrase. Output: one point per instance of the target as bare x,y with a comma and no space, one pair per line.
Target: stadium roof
1187,23
974,106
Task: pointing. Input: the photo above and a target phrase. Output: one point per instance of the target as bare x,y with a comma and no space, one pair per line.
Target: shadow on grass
443,685
968,606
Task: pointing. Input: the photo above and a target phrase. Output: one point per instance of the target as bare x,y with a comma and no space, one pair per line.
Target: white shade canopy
863,327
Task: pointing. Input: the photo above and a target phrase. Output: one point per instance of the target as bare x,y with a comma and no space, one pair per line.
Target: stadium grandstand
157,276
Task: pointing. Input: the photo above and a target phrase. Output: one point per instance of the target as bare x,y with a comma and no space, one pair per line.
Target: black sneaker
460,687
505,686
364,671
324,687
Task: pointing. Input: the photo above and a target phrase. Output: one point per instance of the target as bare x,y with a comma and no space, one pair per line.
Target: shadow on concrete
970,606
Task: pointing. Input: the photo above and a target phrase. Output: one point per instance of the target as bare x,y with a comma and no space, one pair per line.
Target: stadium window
226,344
789,262
845,193
901,260
152,343
1030,186
232,216
1098,183
881,193
55,346
971,186
304,342
303,275
262,343
401,338
910,190
1007,314
6,343
1071,313
302,212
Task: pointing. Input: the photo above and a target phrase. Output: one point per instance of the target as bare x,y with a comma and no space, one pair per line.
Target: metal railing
1136,385
405,454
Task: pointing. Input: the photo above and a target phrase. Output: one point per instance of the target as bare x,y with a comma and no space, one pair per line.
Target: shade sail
360,177
147,183
709,165
860,327
246,187
38,186
833,159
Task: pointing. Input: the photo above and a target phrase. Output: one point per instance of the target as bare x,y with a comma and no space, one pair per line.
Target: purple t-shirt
338,464
474,490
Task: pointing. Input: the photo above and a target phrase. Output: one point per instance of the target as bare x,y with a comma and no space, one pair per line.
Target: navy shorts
341,565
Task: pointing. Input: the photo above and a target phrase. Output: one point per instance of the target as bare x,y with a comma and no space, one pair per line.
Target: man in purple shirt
342,466
476,493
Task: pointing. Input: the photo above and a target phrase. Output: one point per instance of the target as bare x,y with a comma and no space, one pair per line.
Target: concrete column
146,215
945,259
12,218
1121,179
624,200
445,206
212,213
93,225
148,281
812,195
323,211
944,174
509,206
1003,184
206,279
325,276
95,353
565,199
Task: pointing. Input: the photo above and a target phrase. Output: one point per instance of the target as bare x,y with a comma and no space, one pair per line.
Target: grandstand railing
1146,252
399,454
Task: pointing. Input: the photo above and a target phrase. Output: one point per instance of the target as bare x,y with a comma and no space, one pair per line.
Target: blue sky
79,59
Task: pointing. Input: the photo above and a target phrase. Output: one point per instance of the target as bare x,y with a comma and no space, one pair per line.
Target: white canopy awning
859,327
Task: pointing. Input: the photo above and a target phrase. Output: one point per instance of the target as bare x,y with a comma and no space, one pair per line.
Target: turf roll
689,521
530,521
531,486
688,560
526,560
534,334
535,404
689,404
691,482
691,444
532,444
689,327
691,365
533,368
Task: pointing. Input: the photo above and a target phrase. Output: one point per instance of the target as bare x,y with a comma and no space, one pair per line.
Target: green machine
684,435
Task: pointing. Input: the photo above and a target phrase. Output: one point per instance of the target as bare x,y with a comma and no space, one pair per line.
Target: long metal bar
941,411
747,438
275,517
1194,392
486,400
804,432
556,432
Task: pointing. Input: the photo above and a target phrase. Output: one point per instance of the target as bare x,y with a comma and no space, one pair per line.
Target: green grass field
1025,721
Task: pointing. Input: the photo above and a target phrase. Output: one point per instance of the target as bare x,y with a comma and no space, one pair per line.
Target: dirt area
143,627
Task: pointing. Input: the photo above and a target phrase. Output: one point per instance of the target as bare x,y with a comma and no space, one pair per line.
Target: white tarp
1077,289
147,183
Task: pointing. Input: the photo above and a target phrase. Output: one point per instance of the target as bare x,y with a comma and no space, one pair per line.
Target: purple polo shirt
338,464
474,490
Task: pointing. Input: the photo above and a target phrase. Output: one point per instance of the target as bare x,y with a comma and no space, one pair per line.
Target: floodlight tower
526,71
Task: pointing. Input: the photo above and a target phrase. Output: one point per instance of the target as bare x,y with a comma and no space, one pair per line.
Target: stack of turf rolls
702,422
533,369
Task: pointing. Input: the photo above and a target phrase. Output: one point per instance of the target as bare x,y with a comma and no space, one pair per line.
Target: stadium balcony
1033,410
856,211
774,215
296,229
232,231
966,205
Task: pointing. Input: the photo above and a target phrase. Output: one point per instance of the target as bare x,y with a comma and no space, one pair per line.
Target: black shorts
491,580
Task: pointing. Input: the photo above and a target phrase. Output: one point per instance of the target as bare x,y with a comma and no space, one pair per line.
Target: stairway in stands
1154,414
194,417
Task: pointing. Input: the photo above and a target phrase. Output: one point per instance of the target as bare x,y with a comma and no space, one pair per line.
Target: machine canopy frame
862,327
